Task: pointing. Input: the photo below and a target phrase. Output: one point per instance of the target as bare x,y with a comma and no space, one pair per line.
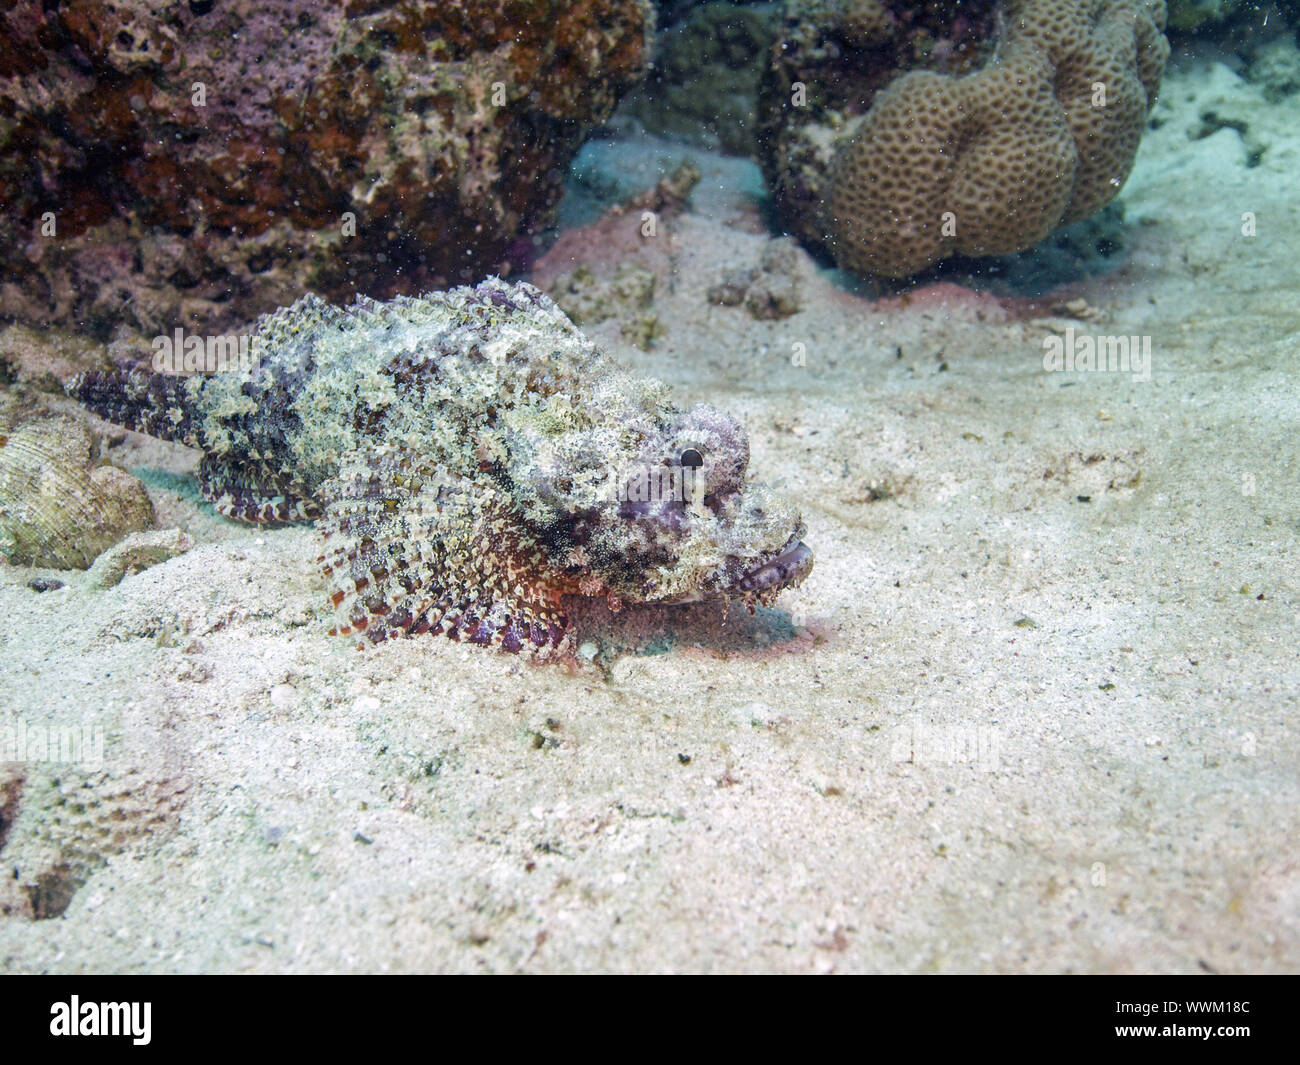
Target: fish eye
692,458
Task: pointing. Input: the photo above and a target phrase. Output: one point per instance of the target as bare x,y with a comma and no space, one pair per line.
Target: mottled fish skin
465,455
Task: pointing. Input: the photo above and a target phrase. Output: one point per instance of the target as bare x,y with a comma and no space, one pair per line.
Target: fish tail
160,405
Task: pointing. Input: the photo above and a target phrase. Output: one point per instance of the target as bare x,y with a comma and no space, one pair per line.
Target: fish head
655,505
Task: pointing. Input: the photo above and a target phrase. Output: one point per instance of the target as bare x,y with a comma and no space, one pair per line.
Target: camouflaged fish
471,459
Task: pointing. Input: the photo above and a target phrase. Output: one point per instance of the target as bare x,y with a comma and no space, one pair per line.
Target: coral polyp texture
206,163
900,134
472,459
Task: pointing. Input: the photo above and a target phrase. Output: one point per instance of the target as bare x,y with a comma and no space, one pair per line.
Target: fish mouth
786,569
762,582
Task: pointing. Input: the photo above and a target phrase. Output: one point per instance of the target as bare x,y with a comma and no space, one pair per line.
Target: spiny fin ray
409,550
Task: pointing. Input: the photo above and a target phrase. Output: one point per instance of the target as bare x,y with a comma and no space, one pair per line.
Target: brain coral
1000,138
202,162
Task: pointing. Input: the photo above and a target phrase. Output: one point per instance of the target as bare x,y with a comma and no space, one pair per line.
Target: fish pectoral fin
253,494
410,549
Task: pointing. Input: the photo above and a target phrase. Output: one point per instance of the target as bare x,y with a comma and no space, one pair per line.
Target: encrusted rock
1275,68
64,825
203,163
39,359
1193,14
704,83
627,297
769,290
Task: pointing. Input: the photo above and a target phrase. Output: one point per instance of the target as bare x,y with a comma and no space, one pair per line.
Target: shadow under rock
1091,248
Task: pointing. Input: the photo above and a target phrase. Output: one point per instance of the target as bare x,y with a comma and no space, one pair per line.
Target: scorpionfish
470,459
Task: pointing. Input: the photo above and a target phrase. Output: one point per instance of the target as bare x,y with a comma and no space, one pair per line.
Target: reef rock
205,162
769,290
704,84
627,296
1193,14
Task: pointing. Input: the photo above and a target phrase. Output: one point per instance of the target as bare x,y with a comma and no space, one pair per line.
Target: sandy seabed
1034,709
